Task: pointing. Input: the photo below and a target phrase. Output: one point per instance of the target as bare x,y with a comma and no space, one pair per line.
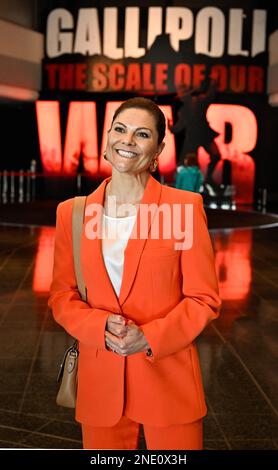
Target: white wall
272,78
21,12
21,53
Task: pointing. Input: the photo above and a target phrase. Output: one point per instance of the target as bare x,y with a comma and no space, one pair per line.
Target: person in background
189,176
192,124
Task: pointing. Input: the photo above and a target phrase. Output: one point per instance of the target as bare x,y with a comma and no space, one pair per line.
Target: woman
147,299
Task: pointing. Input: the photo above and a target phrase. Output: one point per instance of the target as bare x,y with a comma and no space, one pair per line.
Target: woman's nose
128,139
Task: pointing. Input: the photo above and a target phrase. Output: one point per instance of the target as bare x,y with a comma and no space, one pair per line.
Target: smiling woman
146,301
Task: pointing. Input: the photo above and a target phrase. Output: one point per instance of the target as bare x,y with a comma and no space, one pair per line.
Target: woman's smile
126,153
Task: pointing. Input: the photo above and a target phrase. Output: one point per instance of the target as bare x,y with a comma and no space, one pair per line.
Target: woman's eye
140,133
143,134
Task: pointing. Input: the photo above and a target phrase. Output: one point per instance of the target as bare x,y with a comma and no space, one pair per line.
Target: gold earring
153,166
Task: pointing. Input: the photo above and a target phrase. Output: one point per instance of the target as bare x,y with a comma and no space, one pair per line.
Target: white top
115,234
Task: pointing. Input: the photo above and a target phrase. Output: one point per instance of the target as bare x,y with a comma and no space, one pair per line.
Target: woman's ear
160,148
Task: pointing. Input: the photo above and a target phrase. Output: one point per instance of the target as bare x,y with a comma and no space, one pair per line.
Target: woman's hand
116,325
132,342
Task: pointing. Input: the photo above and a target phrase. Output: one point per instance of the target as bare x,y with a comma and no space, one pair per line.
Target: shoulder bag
67,375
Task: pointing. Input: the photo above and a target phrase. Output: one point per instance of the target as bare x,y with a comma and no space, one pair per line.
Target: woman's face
132,141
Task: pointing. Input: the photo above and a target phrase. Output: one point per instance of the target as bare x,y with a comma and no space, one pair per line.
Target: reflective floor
238,351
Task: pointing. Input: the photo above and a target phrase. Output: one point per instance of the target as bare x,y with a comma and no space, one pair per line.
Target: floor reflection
238,351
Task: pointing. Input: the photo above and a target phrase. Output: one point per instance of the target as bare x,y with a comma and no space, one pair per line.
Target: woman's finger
116,330
110,345
117,319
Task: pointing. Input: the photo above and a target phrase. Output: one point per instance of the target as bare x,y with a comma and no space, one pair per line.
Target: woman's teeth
124,153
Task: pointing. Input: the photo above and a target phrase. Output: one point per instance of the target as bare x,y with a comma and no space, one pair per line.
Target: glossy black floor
238,351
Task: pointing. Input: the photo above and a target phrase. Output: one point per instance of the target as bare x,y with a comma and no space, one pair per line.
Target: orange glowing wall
48,122
81,142
243,140
81,138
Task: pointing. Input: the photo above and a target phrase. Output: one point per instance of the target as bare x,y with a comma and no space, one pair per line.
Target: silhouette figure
192,121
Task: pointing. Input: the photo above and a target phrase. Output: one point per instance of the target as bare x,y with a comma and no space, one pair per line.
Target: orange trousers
125,435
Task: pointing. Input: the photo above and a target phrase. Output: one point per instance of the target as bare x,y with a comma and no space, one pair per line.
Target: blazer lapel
100,291
136,244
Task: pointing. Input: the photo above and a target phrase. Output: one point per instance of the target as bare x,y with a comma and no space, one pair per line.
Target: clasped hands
124,339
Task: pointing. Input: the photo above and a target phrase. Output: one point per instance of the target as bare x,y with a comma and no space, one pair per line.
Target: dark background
19,138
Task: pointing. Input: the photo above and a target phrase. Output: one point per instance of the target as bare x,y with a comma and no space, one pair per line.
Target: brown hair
147,105
191,159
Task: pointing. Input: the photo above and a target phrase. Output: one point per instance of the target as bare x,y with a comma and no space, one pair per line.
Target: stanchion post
33,169
264,200
5,187
12,187
79,182
21,186
28,183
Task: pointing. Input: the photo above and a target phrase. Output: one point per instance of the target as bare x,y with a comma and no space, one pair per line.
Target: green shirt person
189,177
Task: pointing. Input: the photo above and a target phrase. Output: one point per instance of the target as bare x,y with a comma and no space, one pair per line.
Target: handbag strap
78,212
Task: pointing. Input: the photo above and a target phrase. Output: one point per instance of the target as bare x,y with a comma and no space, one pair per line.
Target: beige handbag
68,368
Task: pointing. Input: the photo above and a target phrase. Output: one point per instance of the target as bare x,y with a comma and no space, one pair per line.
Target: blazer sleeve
201,302
81,321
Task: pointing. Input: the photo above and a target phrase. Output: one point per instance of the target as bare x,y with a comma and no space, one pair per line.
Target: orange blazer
172,294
